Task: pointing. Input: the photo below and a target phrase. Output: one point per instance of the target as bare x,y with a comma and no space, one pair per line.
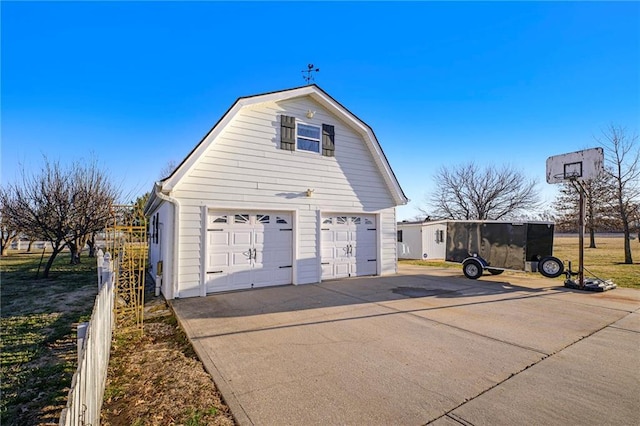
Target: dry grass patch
157,379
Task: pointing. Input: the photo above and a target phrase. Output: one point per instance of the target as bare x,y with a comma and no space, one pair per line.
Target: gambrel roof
313,91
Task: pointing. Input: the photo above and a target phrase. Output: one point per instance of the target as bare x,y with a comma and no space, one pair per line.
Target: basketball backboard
580,166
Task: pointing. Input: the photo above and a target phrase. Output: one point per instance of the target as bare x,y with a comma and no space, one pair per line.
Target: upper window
308,137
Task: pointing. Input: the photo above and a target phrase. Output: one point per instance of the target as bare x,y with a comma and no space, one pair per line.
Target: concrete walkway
424,346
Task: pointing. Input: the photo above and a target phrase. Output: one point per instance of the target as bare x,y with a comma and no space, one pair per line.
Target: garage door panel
218,238
242,238
249,250
277,257
365,267
264,277
328,253
349,246
258,238
240,258
218,260
218,281
341,236
341,270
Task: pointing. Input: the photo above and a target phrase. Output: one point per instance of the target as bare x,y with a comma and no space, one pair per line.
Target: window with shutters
296,136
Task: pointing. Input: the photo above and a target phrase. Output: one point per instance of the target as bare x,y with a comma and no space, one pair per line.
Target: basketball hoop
576,168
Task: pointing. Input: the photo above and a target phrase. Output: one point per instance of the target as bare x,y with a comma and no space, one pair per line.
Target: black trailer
497,246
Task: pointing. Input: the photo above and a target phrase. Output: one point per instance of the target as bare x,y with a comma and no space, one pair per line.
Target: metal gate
126,239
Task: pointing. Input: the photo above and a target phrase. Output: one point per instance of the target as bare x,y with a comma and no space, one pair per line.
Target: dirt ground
157,379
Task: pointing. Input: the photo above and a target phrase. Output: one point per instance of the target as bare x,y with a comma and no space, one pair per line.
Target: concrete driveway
424,346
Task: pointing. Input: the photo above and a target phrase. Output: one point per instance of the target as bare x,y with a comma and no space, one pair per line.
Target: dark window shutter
328,140
287,132
157,226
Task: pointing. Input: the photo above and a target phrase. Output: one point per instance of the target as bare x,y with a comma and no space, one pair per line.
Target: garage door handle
371,260
288,266
215,272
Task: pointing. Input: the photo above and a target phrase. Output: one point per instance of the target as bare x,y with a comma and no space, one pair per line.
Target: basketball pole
581,237
581,211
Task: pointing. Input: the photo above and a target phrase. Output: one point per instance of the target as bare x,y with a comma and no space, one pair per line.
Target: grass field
605,261
38,335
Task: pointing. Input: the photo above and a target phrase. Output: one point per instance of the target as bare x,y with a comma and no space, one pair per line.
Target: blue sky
137,85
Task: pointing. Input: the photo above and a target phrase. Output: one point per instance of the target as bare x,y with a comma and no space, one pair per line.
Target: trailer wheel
551,267
495,271
472,269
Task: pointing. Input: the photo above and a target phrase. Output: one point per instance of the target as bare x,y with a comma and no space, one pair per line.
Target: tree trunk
29,246
92,245
47,268
5,243
627,238
74,255
627,245
592,238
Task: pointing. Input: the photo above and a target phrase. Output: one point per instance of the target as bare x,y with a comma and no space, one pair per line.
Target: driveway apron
426,345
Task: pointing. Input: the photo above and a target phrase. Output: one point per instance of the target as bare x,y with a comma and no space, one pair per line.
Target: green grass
603,262
37,334
195,417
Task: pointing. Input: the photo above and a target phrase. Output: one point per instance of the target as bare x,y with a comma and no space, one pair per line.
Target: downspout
176,235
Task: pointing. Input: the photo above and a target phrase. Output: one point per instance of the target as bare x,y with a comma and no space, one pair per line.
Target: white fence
94,345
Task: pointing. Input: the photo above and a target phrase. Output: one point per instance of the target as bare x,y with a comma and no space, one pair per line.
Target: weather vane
310,70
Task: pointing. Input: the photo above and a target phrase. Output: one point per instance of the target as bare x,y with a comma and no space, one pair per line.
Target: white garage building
288,187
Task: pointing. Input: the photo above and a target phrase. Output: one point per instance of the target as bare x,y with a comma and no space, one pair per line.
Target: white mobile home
422,240
288,187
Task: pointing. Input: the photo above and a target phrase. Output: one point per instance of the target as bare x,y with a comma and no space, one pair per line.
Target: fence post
107,269
82,335
100,263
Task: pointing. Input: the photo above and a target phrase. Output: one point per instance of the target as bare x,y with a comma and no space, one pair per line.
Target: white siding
419,241
411,245
432,247
161,251
388,264
245,169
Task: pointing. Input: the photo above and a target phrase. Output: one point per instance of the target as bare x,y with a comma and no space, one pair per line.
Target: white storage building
422,240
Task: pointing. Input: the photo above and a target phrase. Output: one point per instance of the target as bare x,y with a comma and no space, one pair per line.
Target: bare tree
9,231
598,213
168,169
472,193
92,196
623,164
62,206
42,204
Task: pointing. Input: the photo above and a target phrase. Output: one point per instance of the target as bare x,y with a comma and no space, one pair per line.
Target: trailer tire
472,269
495,271
551,267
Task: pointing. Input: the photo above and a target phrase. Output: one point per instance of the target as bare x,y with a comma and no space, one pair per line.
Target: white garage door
349,246
247,250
